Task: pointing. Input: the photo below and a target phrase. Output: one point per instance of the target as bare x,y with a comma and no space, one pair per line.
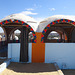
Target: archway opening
30,37
65,24
15,36
3,43
2,34
53,35
56,37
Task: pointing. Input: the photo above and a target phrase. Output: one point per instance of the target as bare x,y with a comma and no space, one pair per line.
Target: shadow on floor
69,72
31,67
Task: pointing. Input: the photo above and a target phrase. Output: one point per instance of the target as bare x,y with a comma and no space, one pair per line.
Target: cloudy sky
38,9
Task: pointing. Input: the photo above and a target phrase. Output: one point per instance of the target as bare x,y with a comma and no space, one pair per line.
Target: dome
48,20
27,19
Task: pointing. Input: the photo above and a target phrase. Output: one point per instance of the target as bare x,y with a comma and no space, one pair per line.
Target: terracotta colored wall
38,50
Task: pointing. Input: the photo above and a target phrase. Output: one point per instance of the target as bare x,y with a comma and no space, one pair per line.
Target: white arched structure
27,19
48,20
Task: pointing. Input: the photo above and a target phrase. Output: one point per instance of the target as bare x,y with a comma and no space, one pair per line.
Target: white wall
14,51
61,53
4,65
30,52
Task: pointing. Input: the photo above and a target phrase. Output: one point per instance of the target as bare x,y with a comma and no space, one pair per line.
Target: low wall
14,51
4,65
61,53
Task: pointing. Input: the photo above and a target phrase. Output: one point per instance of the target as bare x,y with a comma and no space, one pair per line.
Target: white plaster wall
14,52
61,53
50,19
27,19
4,65
30,52
9,50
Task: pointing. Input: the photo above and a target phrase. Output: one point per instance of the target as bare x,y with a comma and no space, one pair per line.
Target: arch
13,31
4,32
55,22
57,32
11,34
19,22
57,29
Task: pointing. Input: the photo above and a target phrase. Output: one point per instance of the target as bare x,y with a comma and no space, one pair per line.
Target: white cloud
52,9
29,9
28,13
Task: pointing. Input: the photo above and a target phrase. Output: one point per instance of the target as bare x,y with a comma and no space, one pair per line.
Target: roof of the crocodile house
27,19
48,20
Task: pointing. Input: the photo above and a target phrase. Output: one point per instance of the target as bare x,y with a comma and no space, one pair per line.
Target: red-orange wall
38,50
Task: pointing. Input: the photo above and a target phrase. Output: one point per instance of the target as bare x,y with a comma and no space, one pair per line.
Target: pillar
24,45
13,36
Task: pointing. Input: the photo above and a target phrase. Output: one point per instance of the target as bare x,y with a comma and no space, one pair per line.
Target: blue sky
38,9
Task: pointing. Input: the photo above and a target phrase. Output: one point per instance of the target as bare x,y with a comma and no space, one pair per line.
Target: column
24,45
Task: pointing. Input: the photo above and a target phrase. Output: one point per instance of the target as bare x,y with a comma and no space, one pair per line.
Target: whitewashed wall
4,65
61,53
14,52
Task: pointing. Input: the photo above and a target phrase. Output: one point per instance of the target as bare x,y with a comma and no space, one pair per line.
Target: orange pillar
38,50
